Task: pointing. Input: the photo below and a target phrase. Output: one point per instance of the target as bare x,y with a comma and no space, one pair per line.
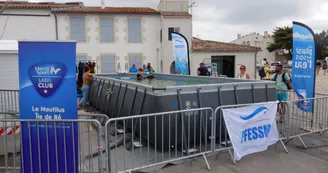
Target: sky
222,20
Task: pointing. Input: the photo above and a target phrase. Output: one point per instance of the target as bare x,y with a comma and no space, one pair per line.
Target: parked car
273,66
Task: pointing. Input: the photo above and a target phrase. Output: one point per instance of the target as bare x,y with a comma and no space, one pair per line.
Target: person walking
133,69
283,84
87,77
243,74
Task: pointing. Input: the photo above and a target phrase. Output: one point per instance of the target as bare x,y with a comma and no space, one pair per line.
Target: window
244,43
134,30
161,35
173,30
78,29
248,43
108,64
137,60
106,30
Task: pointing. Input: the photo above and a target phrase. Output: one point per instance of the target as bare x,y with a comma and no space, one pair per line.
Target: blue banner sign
47,85
303,70
181,54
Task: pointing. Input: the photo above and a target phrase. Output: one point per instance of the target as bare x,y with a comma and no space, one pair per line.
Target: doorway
172,68
225,65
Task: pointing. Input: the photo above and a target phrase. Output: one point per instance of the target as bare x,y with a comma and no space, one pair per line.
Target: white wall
258,41
185,26
247,59
44,28
28,27
121,48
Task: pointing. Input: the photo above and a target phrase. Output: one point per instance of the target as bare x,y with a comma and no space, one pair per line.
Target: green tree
283,41
321,44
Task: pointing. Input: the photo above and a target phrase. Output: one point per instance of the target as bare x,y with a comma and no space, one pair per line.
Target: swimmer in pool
150,76
139,75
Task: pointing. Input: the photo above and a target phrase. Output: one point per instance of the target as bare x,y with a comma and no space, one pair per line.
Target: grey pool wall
120,98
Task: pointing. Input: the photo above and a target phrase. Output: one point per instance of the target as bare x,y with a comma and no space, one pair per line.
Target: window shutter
77,28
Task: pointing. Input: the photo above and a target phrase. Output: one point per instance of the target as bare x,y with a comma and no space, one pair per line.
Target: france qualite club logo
47,77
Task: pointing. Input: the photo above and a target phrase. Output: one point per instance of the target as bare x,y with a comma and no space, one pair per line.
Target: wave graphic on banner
257,111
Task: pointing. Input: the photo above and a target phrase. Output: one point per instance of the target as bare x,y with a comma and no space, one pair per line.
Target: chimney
266,34
102,4
174,6
238,36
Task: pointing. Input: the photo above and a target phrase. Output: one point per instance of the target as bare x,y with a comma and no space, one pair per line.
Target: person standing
283,84
266,72
149,69
133,69
144,67
264,62
87,77
202,70
243,74
318,66
324,67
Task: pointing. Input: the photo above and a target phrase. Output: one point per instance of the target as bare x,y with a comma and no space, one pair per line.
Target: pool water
156,82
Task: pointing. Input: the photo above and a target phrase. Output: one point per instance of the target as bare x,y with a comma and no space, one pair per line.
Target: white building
227,56
115,37
257,40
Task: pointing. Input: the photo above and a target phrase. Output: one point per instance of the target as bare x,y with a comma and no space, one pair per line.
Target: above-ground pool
121,95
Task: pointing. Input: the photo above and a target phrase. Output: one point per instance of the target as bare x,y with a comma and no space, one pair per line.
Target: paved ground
322,83
275,160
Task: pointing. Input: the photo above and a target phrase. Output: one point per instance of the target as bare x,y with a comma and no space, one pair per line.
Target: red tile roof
179,15
145,10
199,45
40,5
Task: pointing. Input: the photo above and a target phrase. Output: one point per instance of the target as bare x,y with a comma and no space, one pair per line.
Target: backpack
284,80
262,72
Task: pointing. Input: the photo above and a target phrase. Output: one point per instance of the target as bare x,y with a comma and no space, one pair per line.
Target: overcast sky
222,20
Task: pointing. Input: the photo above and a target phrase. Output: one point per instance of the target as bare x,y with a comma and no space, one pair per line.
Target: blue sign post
303,70
181,54
47,83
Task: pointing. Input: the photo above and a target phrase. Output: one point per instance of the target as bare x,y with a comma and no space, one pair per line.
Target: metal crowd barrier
224,143
143,141
301,123
90,144
9,100
292,96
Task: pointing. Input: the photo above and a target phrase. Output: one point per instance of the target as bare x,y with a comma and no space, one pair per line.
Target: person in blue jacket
133,69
